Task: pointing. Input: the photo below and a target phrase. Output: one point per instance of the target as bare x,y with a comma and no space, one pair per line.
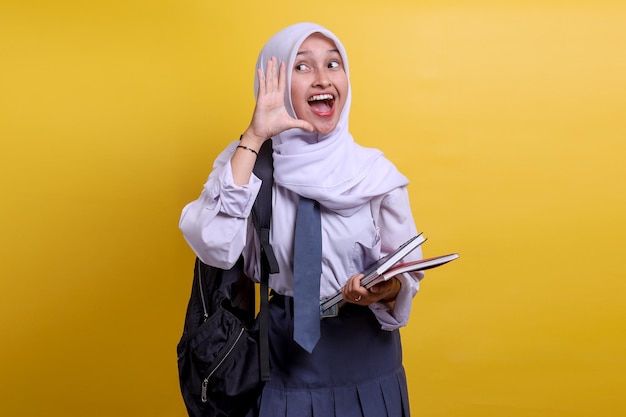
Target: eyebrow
308,52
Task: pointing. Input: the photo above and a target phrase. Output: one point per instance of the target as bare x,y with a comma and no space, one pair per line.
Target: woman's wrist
243,160
393,293
252,141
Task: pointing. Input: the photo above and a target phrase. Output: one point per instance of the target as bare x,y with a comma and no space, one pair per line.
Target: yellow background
507,116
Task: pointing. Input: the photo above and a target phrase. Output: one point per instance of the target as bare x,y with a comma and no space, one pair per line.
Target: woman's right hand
270,116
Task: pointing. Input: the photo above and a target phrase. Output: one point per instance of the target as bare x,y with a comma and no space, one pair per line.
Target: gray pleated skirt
355,370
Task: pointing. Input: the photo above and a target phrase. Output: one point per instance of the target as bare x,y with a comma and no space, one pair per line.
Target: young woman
303,103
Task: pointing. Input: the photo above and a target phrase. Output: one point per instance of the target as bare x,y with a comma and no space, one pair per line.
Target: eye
301,67
334,64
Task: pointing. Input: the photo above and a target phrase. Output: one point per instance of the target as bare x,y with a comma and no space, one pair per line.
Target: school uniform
355,369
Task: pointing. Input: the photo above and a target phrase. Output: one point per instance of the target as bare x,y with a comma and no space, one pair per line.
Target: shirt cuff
235,200
391,319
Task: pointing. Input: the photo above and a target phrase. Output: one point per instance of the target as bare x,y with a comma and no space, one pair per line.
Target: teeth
322,97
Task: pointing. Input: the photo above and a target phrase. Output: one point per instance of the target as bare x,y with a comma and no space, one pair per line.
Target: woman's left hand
353,292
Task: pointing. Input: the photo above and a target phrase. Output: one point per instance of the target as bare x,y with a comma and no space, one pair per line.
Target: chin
325,130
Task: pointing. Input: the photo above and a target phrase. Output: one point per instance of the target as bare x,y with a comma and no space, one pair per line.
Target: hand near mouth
270,116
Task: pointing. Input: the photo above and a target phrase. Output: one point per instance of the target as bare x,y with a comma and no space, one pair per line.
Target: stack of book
391,265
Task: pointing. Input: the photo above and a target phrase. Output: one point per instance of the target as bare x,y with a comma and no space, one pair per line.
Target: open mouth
322,104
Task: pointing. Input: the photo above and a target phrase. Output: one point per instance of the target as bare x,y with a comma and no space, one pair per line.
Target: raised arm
270,117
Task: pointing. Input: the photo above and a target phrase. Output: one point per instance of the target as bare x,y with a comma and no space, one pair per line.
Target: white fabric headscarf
331,169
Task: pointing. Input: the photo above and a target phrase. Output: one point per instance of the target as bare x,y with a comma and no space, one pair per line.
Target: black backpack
223,354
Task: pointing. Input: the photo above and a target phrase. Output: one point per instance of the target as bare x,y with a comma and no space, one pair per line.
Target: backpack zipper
206,313
205,383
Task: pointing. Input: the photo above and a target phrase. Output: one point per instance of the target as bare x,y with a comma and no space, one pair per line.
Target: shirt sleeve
394,219
216,224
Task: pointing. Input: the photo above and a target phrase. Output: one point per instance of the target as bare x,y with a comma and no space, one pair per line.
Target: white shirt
218,229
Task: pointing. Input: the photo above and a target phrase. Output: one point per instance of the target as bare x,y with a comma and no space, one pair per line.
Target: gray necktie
307,270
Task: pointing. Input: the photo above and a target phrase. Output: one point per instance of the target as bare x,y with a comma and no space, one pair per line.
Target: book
421,265
378,268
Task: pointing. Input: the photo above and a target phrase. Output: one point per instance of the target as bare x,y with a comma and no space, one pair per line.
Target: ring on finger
359,298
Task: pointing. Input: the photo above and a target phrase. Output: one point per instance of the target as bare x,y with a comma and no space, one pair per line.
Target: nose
321,80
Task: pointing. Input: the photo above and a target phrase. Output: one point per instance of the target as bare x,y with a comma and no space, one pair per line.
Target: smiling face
319,84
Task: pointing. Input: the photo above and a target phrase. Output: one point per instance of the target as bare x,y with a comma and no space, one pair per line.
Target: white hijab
331,169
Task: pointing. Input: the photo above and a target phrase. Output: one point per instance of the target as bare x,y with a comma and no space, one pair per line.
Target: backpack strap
262,208
261,217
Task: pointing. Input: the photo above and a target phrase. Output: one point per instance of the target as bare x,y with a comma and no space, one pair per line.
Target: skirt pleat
323,402
404,393
347,402
393,400
354,371
273,402
299,404
371,399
